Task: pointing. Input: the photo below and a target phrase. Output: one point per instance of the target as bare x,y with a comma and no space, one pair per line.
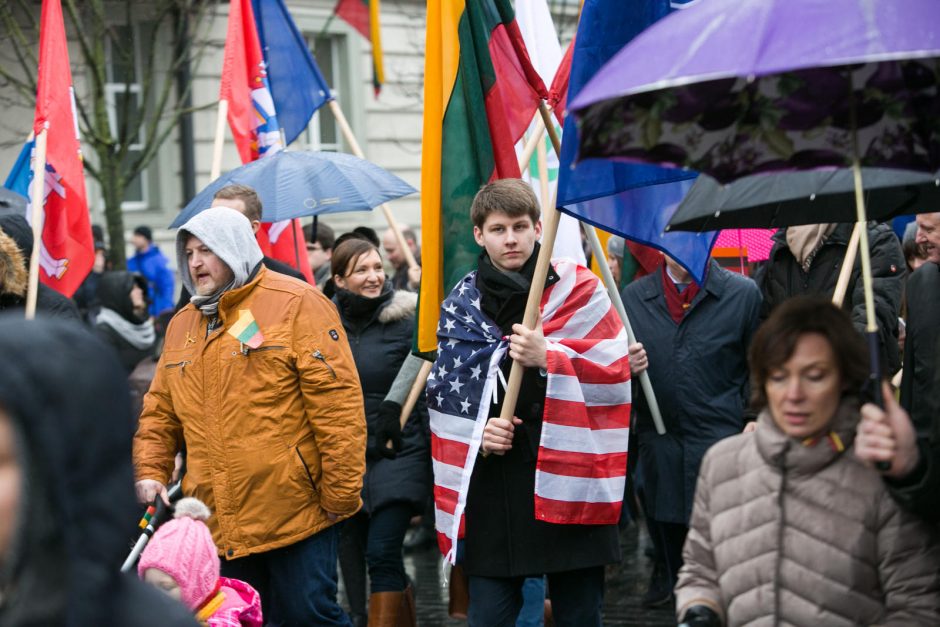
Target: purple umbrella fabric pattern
771,86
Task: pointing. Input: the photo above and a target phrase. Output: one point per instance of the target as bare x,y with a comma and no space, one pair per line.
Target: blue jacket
160,281
699,374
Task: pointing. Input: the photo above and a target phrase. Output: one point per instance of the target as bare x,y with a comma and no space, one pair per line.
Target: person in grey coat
695,340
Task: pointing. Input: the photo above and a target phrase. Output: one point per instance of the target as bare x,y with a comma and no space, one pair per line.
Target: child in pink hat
181,559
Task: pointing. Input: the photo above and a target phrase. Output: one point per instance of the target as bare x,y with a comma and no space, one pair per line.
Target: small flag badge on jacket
246,329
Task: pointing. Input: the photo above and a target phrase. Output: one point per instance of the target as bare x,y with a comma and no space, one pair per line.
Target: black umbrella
810,197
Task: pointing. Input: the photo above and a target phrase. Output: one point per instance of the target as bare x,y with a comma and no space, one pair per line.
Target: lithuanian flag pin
246,329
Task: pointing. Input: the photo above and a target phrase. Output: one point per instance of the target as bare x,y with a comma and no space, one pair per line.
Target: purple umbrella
735,87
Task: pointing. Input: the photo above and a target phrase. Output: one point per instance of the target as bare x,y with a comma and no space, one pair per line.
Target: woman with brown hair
787,527
379,322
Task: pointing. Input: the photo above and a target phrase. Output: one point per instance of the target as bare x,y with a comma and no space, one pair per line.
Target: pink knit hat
184,550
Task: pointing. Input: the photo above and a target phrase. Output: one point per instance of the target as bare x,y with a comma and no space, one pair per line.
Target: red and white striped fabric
582,458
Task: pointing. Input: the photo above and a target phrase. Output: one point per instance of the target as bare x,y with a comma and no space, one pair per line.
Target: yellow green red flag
246,329
480,94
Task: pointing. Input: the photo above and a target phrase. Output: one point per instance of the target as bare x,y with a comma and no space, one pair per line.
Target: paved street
626,585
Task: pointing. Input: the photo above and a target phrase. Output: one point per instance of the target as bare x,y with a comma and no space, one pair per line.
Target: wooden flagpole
537,134
219,142
612,288
39,181
357,150
420,381
845,273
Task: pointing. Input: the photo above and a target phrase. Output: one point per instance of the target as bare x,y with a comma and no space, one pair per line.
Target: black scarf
504,294
359,310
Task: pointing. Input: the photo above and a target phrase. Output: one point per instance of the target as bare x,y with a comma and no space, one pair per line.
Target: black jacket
503,537
380,340
699,374
114,289
16,246
918,387
67,399
783,277
269,262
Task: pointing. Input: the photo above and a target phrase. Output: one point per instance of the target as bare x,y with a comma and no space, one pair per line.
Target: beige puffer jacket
785,533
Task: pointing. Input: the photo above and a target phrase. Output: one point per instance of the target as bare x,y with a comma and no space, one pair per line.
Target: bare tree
132,54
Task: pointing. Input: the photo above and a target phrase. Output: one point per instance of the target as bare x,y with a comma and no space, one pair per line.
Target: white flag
541,40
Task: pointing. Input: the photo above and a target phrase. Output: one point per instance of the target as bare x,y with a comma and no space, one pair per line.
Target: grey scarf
139,336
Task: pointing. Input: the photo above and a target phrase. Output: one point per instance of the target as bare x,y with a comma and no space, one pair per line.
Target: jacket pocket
181,365
309,458
322,358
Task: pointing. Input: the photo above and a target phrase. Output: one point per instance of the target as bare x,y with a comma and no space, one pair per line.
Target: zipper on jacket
318,355
780,531
181,365
247,350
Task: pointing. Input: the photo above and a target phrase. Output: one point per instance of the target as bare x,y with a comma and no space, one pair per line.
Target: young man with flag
257,377
542,493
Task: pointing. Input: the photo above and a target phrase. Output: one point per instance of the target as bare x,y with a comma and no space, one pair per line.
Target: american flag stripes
582,455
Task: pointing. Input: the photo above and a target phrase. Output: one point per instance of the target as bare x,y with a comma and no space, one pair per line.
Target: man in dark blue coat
695,339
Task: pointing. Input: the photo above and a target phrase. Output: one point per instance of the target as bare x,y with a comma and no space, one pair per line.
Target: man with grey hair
256,377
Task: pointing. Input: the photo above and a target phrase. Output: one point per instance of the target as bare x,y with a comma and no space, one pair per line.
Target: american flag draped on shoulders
582,457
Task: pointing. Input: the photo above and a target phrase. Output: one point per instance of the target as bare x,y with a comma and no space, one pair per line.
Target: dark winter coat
66,396
153,265
380,341
700,377
16,246
783,278
503,537
918,389
114,290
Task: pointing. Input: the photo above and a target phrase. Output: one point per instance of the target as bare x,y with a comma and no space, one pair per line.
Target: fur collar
13,273
401,306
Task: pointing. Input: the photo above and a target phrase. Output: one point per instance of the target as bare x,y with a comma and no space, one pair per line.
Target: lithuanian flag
363,15
480,94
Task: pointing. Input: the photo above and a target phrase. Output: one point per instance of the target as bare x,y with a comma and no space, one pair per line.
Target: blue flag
297,85
635,201
21,174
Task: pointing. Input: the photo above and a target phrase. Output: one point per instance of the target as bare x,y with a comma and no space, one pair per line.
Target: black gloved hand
387,427
700,616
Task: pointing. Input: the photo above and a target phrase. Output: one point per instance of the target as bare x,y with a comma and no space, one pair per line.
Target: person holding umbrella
787,525
806,259
257,378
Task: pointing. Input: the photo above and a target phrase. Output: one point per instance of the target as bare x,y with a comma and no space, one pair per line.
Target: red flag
67,250
251,114
253,120
277,240
558,93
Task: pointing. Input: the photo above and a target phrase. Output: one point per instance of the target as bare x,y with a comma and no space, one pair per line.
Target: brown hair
776,339
245,194
348,253
514,197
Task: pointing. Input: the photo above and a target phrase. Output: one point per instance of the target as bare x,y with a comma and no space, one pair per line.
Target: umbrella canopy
809,197
755,244
294,184
732,88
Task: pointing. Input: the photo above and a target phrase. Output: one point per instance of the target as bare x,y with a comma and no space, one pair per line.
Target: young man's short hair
245,194
513,197
324,235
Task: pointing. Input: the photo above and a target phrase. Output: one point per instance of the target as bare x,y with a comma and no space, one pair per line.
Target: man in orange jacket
257,379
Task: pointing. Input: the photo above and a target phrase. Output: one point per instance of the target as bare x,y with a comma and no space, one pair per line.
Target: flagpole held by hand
39,180
608,278
357,151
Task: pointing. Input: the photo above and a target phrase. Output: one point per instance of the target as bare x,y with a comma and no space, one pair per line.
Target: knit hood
67,398
228,234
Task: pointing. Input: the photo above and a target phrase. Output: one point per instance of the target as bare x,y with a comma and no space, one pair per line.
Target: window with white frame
323,132
123,95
